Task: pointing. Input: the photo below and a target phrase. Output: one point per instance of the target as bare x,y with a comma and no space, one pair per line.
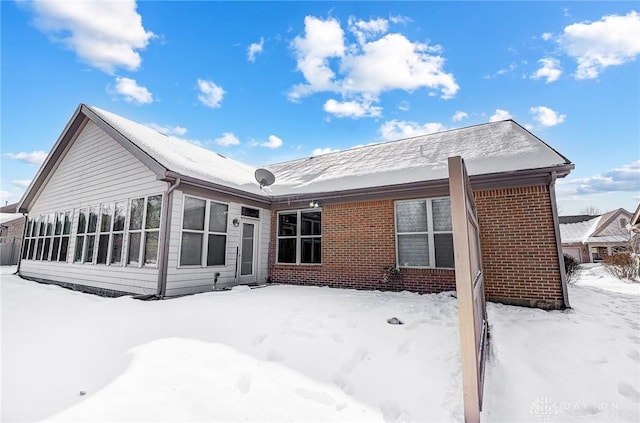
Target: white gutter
165,231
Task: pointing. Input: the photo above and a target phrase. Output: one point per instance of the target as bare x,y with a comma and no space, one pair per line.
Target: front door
248,254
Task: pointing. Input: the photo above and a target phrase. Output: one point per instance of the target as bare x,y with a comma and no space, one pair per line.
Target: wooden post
469,288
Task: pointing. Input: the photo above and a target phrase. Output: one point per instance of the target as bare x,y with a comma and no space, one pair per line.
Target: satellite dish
264,177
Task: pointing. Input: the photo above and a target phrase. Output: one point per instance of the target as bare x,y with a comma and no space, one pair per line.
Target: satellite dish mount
264,177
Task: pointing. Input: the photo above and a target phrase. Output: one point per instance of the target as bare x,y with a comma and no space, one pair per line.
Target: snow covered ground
286,353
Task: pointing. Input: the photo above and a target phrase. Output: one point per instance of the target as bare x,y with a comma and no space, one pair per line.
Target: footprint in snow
357,357
404,348
343,383
273,355
244,383
316,396
258,339
628,392
337,338
634,355
635,339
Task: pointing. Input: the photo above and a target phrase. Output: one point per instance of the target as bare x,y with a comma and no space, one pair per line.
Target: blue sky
264,82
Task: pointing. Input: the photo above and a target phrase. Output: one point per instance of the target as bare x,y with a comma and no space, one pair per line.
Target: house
591,238
11,230
634,225
119,208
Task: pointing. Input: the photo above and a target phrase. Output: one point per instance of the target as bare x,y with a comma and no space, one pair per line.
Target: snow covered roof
498,150
578,232
604,228
490,148
9,217
184,157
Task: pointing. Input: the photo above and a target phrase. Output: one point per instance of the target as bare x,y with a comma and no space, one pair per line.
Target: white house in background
591,238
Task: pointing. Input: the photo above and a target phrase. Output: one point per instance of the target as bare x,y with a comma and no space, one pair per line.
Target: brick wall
517,235
519,251
358,243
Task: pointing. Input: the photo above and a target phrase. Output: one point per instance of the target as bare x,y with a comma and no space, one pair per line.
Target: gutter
163,262
556,229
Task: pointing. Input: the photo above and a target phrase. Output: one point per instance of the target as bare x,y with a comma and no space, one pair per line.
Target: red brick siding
519,251
358,243
518,241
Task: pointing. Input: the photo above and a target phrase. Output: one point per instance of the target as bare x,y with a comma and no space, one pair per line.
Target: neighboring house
118,208
634,225
591,238
11,230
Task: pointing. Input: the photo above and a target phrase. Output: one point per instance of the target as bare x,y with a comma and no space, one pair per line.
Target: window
61,232
86,236
47,237
300,237
203,244
623,223
424,234
144,230
111,233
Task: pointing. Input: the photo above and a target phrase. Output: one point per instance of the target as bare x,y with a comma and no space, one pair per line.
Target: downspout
24,241
164,239
556,228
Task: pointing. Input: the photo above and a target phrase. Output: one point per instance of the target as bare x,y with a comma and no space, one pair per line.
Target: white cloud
502,71
167,130
500,115
393,62
255,49
373,63
34,158
612,41
9,197
624,178
547,36
273,143
459,115
104,34
397,129
227,139
353,109
21,183
550,70
397,19
365,30
210,94
404,106
322,41
546,116
132,92
321,151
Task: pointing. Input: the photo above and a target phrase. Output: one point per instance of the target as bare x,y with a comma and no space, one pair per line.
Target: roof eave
199,183
438,187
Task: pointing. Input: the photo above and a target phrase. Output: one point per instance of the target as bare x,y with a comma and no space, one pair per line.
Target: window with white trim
47,237
424,235
86,235
144,230
111,233
204,232
300,237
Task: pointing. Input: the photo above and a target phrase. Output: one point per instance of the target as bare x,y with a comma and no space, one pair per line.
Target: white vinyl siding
192,279
94,170
204,232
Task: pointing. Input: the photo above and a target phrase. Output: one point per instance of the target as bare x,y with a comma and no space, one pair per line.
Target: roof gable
610,223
